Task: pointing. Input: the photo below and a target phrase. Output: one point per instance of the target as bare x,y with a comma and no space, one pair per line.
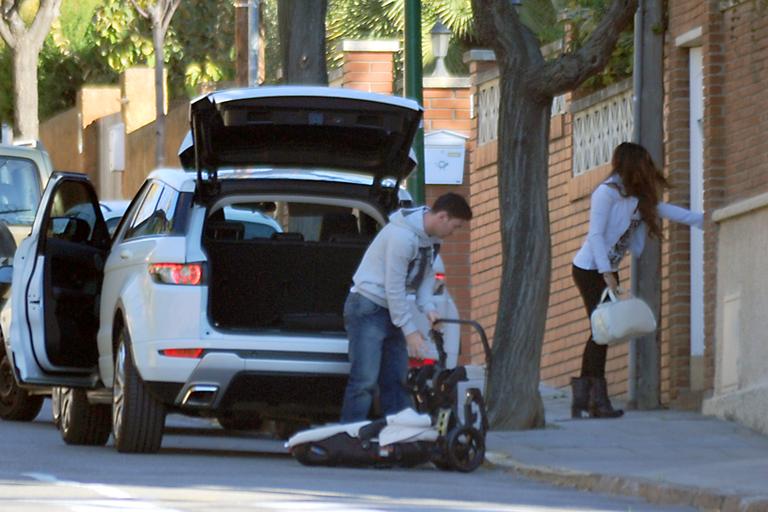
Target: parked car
113,211
24,172
221,292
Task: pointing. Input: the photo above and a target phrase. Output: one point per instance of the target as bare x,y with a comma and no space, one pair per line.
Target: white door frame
696,77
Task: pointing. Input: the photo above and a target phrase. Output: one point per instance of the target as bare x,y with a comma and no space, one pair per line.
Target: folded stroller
447,427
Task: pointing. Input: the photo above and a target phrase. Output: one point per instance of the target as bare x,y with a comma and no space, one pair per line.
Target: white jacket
609,217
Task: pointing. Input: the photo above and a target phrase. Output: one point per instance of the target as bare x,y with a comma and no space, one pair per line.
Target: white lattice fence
488,111
599,128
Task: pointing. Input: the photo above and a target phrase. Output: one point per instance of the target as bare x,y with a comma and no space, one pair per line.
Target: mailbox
444,153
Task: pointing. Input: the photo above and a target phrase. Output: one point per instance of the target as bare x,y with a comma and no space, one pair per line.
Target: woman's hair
641,179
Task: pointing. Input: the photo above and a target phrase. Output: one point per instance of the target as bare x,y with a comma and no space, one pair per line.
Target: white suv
24,172
221,292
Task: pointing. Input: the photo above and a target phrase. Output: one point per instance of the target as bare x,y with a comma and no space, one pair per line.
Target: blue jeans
378,355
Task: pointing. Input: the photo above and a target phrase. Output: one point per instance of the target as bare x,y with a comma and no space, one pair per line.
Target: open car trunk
286,281
280,284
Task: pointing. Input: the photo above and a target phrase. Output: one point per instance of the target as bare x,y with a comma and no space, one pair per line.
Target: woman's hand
611,281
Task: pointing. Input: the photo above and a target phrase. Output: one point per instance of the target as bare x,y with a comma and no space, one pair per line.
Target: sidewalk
664,456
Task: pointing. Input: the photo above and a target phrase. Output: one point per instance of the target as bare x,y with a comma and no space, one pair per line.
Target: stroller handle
478,328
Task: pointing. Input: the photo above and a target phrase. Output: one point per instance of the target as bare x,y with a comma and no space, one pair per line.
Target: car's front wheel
16,404
81,422
138,418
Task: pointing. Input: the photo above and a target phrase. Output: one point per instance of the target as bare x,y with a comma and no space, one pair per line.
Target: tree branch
169,9
501,28
570,70
41,25
12,16
6,34
141,11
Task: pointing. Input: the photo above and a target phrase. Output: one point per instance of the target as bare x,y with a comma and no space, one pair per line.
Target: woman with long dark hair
625,207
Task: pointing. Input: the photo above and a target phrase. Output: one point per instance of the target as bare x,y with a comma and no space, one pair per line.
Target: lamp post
441,37
414,89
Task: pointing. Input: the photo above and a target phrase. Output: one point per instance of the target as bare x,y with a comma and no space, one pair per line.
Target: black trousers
591,285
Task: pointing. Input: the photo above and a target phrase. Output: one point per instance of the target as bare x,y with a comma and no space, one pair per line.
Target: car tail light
177,273
192,353
439,283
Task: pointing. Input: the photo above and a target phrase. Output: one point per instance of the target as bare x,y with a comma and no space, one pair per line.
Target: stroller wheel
466,448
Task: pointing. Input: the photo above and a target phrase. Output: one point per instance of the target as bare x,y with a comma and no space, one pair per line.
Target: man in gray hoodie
377,316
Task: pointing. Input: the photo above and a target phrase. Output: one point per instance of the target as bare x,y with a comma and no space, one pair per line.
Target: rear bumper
225,381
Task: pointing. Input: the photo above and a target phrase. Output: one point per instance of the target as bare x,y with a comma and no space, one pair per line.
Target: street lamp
441,36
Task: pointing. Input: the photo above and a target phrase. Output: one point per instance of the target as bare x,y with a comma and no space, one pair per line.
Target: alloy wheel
118,390
65,409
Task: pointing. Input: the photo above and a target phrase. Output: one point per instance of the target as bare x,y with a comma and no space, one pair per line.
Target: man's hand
416,345
433,317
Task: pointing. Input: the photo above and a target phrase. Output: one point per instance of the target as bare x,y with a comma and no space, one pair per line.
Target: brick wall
447,107
485,235
675,332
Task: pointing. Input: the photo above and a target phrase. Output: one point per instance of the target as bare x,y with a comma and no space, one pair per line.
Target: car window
73,214
19,190
256,222
155,215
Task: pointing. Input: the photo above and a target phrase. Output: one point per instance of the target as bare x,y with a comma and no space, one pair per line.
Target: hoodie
399,261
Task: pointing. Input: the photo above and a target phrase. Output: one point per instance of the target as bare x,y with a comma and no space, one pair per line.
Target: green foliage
362,19
122,35
93,41
205,33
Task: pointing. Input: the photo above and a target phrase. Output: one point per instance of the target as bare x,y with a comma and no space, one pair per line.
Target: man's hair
453,204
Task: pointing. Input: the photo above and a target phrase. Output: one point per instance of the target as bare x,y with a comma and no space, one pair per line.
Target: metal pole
414,89
253,42
647,268
637,94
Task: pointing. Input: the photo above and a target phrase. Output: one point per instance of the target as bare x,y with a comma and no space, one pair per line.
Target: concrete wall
61,136
741,379
141,143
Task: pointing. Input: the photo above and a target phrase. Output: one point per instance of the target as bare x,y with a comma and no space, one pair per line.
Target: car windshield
19,190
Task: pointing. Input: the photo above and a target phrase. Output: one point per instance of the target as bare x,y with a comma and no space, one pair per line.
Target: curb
661,493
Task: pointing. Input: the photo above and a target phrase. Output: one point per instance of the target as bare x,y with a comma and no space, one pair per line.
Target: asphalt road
201,469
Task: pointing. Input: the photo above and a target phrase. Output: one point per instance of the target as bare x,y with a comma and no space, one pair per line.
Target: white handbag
618,320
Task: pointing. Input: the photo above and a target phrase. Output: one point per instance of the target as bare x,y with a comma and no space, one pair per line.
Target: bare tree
25,42
301,25
159,13
528,85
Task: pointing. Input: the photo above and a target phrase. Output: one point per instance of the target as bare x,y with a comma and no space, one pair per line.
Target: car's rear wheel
81,422
16,404
138,418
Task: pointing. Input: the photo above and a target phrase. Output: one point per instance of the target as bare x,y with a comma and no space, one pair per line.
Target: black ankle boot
599,403
580,389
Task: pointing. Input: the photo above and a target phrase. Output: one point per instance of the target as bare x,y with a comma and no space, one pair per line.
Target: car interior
293,280
75,248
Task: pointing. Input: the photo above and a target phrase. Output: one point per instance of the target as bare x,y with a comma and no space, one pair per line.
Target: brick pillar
367,65
715,169
447,106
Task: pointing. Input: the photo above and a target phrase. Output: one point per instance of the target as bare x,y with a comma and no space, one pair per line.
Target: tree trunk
157,42
25,91
513,388
302,41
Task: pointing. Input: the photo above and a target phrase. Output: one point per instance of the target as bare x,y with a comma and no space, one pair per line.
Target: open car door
57,276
